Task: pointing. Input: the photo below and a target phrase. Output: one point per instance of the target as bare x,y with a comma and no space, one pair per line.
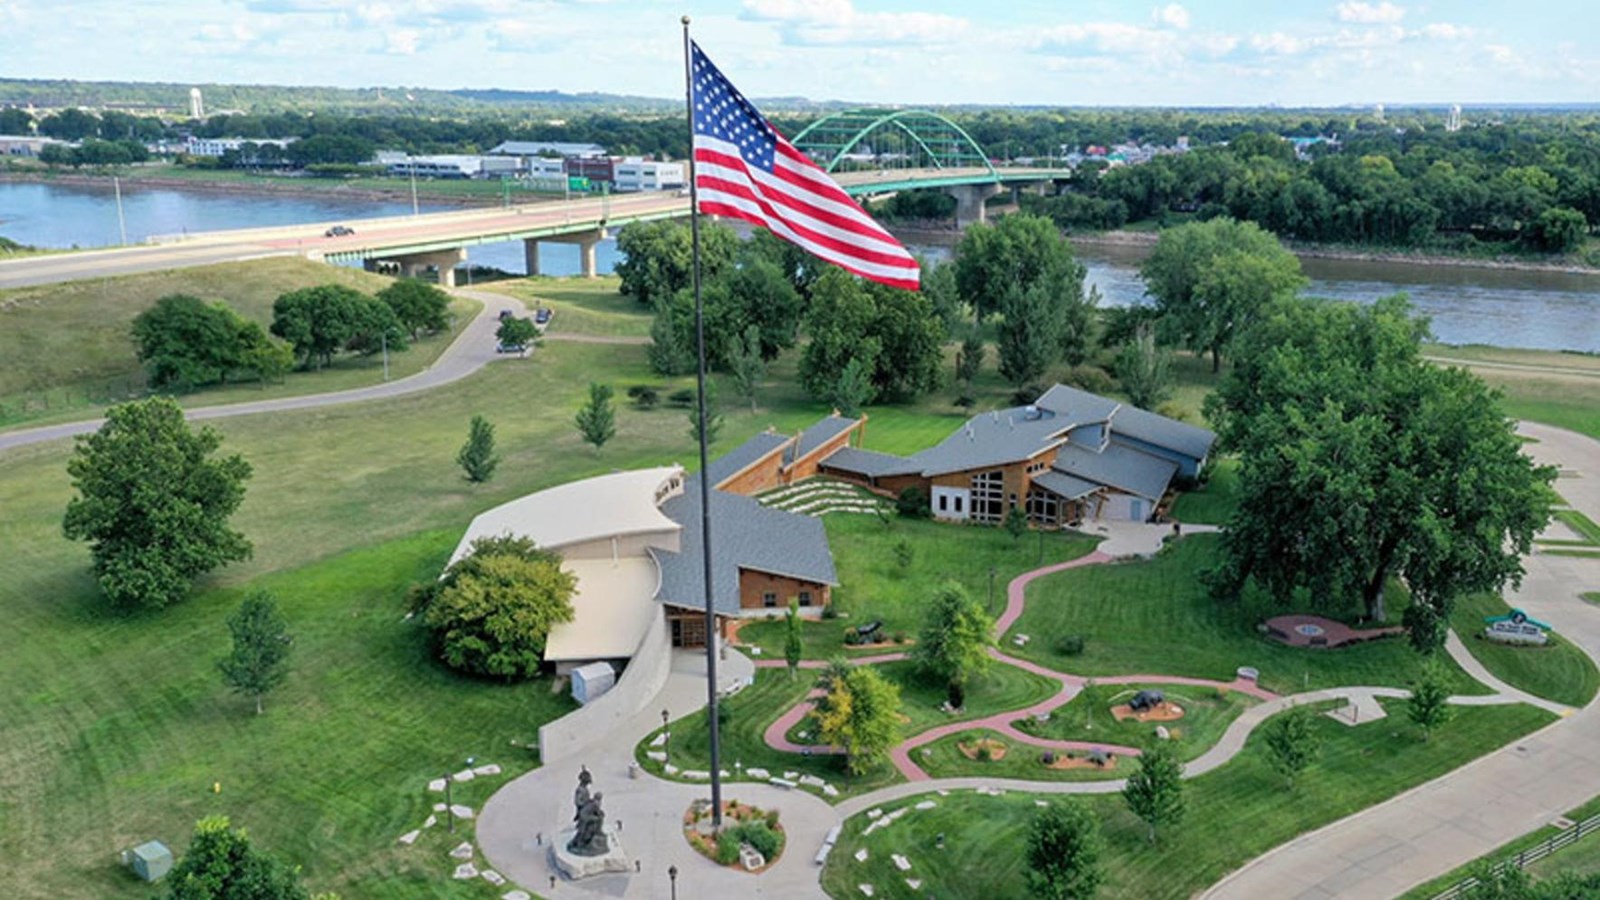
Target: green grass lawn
1213,502
1557,671
1000,689
67,351
1235,813
1580,523
872,586
582,305
749,712
1156,617
118,726
1207,714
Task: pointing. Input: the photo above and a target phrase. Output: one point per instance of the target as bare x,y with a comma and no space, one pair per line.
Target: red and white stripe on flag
745,170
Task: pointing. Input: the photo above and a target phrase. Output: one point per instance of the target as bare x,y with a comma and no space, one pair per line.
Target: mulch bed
733,813
1322,633
997,749
1162,712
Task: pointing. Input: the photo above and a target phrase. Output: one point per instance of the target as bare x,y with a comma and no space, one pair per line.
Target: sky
1064,53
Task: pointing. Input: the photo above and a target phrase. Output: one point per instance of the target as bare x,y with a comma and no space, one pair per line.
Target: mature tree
747,365
1211,279
1014,253
1413,470
154,503
1558,230
943,294
954,644
477,457
1144,369
861,714
14,120
969,359
187,342
1033,331
419,306
597,420
262,353
375,328
893,333
259,660
1292,742
493,610
793,649
1429,704
319,321
713,420
1154,792
516,331
672,344
852,389
1063,853
222,864
658,261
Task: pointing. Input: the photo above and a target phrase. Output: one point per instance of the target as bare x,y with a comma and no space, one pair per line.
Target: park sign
1516,627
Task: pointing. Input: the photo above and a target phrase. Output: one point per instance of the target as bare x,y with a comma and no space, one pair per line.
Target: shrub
683,398
828,612
772,819
851,638
727,847
644,396
965,401
1026,394
765,840
913,504
899,637
1089,378
984,754
1048,758
904,554
1071,645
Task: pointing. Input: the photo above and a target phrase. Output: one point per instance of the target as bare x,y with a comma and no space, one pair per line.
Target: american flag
744,169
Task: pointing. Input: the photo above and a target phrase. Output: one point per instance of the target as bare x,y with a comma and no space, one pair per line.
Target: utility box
591,681
149,860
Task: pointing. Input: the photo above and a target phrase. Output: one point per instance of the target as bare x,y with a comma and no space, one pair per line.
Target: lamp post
413,168
672,876
666,745
449,811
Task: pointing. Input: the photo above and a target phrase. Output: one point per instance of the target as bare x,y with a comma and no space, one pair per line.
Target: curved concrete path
518,820
1390,848
472,349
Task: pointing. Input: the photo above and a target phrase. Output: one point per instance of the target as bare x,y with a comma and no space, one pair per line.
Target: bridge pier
412,264
587,241
969,201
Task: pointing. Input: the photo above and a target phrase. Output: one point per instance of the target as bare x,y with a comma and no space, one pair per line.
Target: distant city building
635,174
541,167
564,149
1453,123
599,168
24,144
216,147
453,165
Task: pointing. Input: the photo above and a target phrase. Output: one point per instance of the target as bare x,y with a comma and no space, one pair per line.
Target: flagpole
705,484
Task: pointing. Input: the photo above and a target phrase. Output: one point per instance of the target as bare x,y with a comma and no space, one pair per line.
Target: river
1467,305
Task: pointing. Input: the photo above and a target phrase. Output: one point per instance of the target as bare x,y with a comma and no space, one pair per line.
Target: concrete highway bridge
910,150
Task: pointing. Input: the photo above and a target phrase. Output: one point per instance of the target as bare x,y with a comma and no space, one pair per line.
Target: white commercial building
635,174
216,147
453,165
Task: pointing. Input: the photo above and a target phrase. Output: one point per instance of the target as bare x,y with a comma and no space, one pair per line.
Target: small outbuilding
149,860
591,681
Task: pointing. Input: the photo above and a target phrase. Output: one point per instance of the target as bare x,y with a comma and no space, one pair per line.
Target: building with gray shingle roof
1069,455
745,536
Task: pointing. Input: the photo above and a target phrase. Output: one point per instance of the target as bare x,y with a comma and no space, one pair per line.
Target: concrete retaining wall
646,672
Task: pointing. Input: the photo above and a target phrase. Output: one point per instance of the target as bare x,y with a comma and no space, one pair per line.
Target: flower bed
742,825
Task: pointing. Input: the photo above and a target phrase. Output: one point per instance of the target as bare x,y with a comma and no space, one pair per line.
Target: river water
1467,305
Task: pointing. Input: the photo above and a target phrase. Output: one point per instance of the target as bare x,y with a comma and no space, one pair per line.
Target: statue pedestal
574,866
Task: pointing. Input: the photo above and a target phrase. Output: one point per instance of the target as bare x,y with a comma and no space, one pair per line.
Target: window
769,599
988,496
1044,508
805,598
958,503
943,500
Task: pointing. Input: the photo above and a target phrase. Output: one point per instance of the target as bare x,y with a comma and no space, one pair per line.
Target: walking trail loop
1488,802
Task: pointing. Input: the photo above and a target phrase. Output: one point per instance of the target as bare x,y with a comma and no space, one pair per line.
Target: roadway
397,235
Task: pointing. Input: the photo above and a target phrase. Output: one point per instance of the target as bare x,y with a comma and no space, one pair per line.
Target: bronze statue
580,797
590,839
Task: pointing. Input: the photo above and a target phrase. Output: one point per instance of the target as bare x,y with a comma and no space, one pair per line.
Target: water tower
197,106
1453,123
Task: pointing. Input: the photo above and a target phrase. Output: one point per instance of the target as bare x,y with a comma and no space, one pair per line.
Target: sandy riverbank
1146,239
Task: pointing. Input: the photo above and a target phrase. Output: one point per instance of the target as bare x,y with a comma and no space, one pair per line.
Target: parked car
339,231
504,347
505,314
542,315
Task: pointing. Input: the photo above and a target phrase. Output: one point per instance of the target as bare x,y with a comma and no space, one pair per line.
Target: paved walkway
1387,849
528,810
473,349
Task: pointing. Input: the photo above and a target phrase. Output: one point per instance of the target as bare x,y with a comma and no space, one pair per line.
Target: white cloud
839,22
1174,15
1444,31
401,41
1362,13
1278,43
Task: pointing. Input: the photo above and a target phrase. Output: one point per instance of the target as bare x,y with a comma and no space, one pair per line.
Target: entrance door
688,631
